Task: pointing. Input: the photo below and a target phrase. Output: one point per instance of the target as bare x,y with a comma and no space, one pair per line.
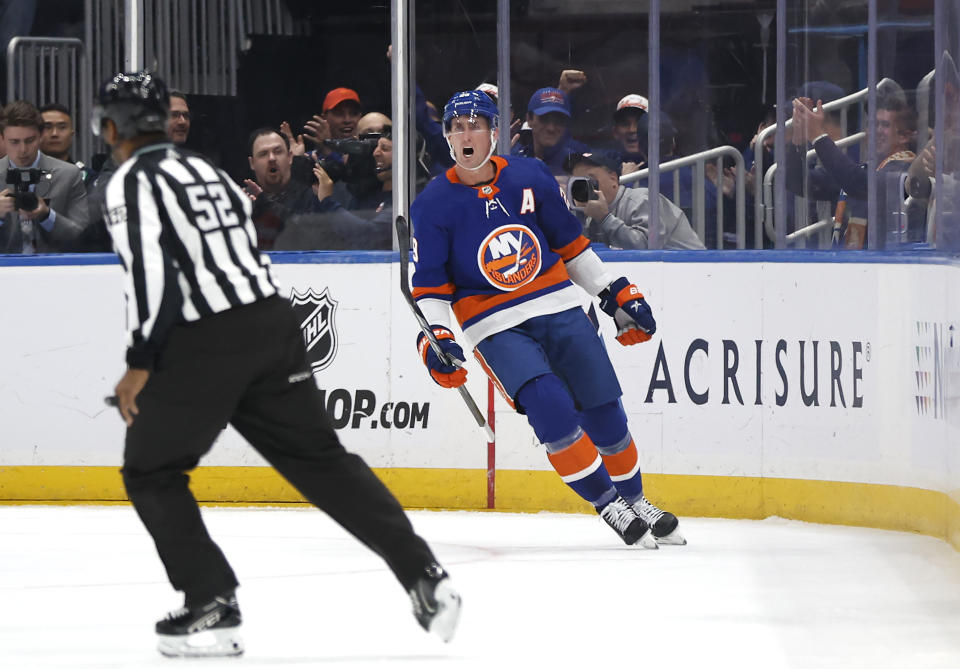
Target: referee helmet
138,103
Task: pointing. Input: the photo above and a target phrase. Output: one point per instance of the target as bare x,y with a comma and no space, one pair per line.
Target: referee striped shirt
188,247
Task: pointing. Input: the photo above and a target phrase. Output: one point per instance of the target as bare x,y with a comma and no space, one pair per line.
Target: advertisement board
760,371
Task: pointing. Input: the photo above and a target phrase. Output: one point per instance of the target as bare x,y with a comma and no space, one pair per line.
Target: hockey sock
607,425
553,417
623,464
576,460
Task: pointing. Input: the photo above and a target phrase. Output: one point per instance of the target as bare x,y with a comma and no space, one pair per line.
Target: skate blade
223,642
444,623
672,539
648,541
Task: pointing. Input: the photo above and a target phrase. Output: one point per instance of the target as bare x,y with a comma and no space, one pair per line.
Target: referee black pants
236,367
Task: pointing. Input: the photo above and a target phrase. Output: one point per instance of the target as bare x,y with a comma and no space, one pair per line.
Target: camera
525,135
21,180
353,147
582,189
334,168
358,167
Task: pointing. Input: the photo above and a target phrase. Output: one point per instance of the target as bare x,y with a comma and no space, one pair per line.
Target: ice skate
436,604
211,630
625,522
663,524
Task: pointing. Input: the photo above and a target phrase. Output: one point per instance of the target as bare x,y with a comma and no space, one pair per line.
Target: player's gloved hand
624,302
448,376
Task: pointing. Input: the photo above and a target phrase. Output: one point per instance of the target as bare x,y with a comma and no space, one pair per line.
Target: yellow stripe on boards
835,502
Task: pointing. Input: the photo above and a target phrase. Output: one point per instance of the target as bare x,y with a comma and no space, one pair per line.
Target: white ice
81,587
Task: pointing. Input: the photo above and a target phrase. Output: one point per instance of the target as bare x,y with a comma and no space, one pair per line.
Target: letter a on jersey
528,204
510,257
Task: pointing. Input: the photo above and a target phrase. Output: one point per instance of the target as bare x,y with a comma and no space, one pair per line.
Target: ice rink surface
81,587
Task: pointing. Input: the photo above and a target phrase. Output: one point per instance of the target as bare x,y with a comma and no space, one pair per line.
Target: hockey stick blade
403,241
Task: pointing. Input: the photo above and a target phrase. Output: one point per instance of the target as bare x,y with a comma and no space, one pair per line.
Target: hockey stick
403,241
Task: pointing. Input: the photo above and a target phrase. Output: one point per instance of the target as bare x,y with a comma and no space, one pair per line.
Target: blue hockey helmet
471,103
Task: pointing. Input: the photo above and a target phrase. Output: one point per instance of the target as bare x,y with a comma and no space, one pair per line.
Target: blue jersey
496,252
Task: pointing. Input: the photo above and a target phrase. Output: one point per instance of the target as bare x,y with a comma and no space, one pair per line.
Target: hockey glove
448,376
624,302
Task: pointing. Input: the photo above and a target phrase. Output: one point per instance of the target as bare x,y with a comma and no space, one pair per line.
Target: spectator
548,114
276,197
683,177
178,123
383,160
626,132
493,92
338,119
361,178
330,226
828,92
372,123
840,178
815,90
922,172
341,111
377,126
619,217
57,212
56,140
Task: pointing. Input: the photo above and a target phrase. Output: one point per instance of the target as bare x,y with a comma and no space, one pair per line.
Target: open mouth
467,151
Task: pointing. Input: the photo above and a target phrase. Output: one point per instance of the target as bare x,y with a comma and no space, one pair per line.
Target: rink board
823,391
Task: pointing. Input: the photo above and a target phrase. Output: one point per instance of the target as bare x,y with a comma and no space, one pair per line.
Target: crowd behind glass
327,185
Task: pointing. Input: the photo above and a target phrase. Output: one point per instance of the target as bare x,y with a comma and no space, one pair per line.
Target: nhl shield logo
316,314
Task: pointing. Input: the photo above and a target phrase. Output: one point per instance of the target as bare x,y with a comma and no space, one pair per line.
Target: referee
211,342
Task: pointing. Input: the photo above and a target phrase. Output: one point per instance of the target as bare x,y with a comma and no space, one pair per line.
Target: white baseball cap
633,101
489,89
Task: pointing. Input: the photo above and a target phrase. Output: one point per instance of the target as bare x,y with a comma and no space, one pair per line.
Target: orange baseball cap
338,95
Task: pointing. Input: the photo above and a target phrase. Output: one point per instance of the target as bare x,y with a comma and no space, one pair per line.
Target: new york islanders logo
510,257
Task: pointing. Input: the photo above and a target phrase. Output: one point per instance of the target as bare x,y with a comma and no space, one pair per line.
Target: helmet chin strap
493,146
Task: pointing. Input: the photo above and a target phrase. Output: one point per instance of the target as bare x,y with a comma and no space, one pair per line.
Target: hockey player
495,242
211,342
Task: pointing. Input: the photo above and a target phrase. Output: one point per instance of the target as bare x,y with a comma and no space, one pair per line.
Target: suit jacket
61,187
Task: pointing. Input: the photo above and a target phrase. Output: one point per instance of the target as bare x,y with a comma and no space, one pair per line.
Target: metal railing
105,39
842,105
699,161
266,17
195,44
824,215
44,70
